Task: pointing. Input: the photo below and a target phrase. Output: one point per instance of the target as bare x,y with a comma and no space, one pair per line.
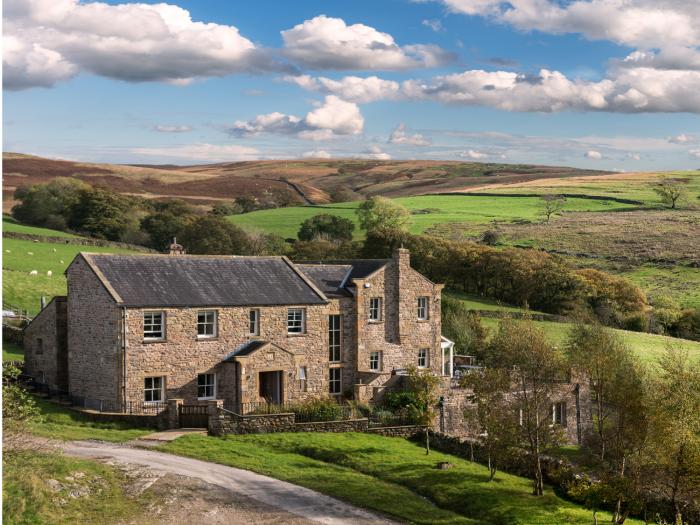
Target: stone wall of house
399,335
94,328
45,352
182,355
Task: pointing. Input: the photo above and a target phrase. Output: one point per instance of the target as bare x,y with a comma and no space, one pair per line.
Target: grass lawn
11,225
12,352
648,347
29,500
680,282
20,257
388,475
427,211
65,424
474,302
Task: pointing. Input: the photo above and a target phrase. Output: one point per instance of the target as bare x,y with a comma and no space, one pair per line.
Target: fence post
173,418
213,408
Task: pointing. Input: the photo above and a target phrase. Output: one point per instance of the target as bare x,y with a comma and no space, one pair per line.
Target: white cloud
695,153
593,154
643,24
335,117
51,40
399,136
317,154
634,156
682,139
435,25
375,153
166,128
209,152
329,43
473,154
351,88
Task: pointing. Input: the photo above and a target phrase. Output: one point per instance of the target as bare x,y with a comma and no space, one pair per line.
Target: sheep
49,273
54,249
8,251
33,272
30,253
61,261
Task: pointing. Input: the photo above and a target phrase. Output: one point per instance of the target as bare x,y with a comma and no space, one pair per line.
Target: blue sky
588,83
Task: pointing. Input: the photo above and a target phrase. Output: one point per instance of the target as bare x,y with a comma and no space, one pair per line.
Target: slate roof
329,278
246,349
361,268
187,280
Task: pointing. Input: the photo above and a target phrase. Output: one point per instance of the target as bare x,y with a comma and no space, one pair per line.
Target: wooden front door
271,386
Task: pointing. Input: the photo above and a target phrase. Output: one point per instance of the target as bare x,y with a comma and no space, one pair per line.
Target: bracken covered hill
306,181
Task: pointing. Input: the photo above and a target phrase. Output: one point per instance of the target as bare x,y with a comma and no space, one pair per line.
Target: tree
326,226
102,213
552,205
213,235
224,209
463,326
492,414
18,408
379,214
422,385
167,220
670,190
535,367
674,431
49,205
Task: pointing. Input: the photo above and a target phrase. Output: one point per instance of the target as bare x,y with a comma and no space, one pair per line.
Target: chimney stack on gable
175,248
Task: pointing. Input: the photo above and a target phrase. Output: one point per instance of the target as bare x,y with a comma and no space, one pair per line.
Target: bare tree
670,190
552,205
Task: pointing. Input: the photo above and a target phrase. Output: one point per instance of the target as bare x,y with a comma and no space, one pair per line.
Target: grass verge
65,424
43,487
12,352
388,475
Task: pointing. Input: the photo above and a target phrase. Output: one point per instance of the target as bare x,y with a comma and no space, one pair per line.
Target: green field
12,352
11,225
389,475
426,212
20,257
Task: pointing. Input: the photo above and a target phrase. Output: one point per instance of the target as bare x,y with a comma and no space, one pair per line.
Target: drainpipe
123,357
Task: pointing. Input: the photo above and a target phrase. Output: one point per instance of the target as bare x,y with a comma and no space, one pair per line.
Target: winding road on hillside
272,492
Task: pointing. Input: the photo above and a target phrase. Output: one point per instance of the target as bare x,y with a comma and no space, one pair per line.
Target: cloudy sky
610,84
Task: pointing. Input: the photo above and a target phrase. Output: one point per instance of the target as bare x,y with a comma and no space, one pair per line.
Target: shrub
326,226
491,237
318,410
397,400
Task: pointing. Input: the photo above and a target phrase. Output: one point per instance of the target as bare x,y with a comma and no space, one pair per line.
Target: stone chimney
402,257
175,248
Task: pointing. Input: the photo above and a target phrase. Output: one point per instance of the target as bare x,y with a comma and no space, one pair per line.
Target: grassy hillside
21,257
473,213
390,475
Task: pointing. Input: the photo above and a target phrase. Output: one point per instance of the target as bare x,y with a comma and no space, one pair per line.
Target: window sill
301,334
422,320
208,338
375,321
206,398
149,341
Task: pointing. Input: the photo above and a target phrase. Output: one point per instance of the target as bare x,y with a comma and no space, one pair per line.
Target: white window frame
214,324
207,385
424,358
335,338
152,389
559,413
423,308
375,311
303,379
375,357
147,337
297,323
338,390
254,321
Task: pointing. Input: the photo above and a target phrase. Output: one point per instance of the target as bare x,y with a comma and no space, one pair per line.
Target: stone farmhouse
139,329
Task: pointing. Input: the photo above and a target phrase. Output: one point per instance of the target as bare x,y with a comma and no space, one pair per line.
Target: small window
206,324
423,358
334,385
334,338
206,386
39,346
422,308
302,378
375,309
559,414
375,361
153,325
296,321
254,322
153,389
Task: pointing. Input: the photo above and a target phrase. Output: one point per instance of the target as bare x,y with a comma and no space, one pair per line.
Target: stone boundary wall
535,316
155,421
403,432
349,425
80,241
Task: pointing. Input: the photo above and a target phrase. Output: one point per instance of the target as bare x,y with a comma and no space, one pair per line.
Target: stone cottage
140,329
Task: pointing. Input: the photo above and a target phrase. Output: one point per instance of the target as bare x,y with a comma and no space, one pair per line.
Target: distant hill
312,181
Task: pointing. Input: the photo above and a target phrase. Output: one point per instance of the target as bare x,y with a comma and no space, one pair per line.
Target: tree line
641,442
